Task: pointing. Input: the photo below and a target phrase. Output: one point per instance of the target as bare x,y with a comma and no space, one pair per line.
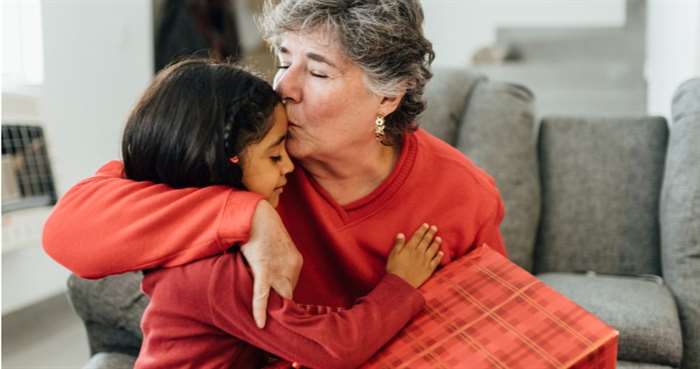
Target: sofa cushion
111,308
497,132
601,183
110,360
680,216
631,365
642,310
447,95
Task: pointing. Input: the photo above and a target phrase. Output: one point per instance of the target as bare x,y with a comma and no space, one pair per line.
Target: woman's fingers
261,292
273,258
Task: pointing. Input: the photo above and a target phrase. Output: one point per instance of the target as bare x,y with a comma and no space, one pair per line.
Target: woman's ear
389,104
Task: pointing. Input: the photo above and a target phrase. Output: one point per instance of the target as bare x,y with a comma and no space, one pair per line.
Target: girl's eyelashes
282,66
276,158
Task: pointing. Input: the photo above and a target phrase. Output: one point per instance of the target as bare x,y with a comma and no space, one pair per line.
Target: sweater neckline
377,199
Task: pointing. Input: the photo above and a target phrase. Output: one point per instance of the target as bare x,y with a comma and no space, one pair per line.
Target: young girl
204,123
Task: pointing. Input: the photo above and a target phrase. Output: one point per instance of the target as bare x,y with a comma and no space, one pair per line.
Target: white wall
458,28
28,275
98,59
673,50
18,108
248,33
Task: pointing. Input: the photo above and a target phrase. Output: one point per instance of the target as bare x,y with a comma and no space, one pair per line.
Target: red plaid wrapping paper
483,311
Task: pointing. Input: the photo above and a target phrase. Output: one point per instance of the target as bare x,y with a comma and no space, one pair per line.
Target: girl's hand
416,260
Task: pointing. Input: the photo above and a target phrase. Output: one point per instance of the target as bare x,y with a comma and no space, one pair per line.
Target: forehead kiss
326,97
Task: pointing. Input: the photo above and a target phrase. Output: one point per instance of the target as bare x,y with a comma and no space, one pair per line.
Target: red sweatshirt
107,225
200,316
345,247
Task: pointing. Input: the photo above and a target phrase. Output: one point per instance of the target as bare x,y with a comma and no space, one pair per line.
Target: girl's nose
287,165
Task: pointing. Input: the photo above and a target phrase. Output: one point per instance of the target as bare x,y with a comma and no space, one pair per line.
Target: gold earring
379,128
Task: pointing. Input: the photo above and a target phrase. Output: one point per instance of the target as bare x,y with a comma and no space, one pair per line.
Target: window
26,175
22,44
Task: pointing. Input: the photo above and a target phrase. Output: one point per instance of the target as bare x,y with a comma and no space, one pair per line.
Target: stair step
571,45
568,75
579,71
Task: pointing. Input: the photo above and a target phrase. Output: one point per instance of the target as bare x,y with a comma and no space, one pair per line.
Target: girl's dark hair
195,116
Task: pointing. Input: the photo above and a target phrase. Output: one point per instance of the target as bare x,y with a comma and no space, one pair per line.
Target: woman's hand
273,258
416,260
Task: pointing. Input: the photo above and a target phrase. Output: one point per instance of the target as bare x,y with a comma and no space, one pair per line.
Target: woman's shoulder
450,166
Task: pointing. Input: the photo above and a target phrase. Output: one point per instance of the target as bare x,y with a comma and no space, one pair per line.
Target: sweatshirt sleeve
313,336
107,224
490,233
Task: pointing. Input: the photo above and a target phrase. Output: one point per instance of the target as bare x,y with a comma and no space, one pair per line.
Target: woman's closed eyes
316,74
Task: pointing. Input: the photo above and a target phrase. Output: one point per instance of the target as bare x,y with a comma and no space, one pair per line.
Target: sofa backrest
493,124
601,184
447,94
680,216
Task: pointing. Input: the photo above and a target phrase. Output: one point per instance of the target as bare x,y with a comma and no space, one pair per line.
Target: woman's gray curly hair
384,37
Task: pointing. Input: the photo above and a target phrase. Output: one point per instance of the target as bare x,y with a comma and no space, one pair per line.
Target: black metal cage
26,172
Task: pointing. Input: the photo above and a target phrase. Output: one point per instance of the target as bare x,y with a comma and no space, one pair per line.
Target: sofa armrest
111,309
680,216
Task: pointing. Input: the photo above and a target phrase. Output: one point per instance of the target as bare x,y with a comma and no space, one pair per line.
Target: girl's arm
107,224
315,337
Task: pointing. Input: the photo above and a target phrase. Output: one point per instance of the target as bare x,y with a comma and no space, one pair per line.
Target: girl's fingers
399,243
418,236
436,260
428,238
434,248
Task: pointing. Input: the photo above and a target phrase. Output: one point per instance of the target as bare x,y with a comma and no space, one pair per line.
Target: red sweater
200,316
107,225
345,247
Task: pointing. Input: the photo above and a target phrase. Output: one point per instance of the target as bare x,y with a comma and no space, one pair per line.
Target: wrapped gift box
483,311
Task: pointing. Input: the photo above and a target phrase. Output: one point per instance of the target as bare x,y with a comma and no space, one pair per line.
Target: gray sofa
607,211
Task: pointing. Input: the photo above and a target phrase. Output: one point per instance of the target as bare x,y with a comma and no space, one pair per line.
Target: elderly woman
352,75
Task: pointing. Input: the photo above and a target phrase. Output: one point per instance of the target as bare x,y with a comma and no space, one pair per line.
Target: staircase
579,71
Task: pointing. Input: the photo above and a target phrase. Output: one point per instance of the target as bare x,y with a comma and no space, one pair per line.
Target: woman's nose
288,85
